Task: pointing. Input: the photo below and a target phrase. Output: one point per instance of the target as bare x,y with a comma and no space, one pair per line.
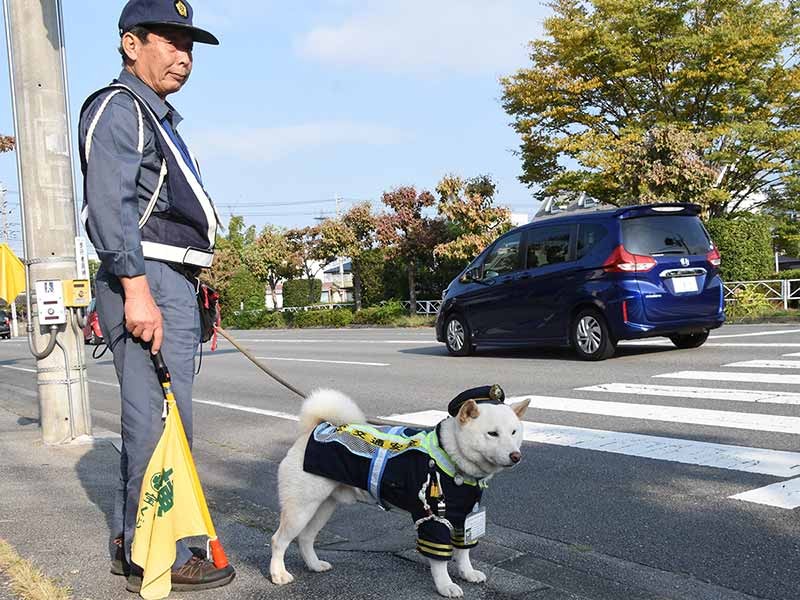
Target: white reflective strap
187,256
154,198
140,146
377,467
191,178
95,121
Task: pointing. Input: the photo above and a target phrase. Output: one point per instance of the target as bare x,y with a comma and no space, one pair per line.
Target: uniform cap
171,13
491,394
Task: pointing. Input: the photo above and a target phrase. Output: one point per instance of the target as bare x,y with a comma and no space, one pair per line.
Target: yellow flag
12,274
171,507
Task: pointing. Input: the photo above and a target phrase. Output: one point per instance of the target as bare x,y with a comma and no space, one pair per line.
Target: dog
437,476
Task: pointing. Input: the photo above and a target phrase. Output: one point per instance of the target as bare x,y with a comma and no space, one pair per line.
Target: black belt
191,273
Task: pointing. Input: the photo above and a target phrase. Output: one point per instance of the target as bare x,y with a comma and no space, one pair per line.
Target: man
153,227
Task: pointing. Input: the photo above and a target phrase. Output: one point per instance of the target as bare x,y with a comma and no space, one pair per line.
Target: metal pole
47,201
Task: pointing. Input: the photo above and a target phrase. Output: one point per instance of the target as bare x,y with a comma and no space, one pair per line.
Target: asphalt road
594,507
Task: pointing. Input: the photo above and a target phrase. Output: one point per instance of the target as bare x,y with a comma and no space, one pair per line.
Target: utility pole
4,214
37,68
341,262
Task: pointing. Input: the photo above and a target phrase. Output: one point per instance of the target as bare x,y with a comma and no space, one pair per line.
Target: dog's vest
186,232
393,464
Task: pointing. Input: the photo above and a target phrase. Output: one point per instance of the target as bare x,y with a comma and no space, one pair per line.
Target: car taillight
714,257
622,261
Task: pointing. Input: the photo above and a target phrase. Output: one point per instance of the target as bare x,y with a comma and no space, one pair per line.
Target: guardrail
775,290
425,307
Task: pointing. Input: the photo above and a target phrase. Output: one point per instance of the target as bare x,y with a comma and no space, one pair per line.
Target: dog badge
182,10
475,526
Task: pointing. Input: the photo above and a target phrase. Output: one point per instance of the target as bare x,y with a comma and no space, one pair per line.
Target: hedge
385,314
746,247
339,317
295,292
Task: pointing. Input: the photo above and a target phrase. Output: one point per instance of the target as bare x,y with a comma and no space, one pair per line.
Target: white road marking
734,376
335,341
657,342
333,362
671,414
18,369
699,393
793,354
783,494
766,364
754,334
720,456
249,409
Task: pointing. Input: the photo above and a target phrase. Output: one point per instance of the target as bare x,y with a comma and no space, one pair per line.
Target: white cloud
273,143
465,36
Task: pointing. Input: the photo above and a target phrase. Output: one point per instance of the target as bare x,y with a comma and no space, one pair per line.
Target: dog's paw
320,566
281,578
450,590
473,576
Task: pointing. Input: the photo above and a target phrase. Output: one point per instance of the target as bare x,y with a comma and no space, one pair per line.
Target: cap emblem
182,10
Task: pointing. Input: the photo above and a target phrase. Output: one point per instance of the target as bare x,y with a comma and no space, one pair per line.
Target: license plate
684,284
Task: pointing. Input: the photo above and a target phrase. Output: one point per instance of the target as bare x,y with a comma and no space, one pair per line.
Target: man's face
165,62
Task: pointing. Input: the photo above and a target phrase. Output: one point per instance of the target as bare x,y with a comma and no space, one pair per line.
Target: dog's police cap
168,13
492,394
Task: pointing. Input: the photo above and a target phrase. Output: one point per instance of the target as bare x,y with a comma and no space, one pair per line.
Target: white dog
437,476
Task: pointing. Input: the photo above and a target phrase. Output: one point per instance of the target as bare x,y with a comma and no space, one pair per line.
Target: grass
27,581
766,315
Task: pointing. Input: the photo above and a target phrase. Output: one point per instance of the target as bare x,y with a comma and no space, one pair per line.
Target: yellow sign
182,10
12,274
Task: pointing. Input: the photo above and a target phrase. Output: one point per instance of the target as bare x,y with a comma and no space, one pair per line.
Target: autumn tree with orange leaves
407,233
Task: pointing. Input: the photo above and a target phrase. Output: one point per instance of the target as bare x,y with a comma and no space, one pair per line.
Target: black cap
492,394
171,13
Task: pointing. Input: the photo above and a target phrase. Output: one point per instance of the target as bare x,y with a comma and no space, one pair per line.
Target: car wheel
689,340
590,336
457,336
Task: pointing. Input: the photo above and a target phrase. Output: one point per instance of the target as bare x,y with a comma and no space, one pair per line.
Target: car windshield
662,235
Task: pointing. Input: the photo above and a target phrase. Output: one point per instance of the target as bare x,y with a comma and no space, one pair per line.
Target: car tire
457,336
689,340
590,336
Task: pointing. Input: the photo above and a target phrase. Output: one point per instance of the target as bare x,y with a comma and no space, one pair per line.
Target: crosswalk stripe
734,376
777,463
783,494
672,414
698,393
766,364
657,342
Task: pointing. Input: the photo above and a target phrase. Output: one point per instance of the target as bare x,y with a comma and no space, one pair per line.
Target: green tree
473,220
270,259
635,100
308,245
408,234
352,235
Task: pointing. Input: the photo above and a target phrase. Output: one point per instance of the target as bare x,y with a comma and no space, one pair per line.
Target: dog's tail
331,406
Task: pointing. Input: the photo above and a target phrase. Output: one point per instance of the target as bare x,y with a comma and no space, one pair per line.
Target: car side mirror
473,274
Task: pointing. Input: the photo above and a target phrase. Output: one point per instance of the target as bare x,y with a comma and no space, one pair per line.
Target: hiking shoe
200,574
119,565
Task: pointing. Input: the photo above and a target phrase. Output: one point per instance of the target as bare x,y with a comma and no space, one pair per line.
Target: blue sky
304,101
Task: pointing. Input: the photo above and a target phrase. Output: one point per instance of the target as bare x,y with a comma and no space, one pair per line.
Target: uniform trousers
141,393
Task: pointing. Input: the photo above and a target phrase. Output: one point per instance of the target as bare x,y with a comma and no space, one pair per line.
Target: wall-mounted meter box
50,302
77,293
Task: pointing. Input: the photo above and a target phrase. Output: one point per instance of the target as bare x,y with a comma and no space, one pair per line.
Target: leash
249,355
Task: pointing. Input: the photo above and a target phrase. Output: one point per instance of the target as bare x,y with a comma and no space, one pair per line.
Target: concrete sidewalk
56,503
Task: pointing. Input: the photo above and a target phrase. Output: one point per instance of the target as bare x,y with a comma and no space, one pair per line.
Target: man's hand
142,316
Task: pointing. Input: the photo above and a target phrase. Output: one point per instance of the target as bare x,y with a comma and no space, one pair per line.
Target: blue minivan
588,280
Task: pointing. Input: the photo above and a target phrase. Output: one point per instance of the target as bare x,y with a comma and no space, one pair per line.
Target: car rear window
660,235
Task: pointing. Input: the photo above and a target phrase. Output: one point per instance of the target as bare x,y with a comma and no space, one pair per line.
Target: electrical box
50,302
77,293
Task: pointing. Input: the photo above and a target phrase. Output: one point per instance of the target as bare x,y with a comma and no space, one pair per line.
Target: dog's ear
520,407
469,410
